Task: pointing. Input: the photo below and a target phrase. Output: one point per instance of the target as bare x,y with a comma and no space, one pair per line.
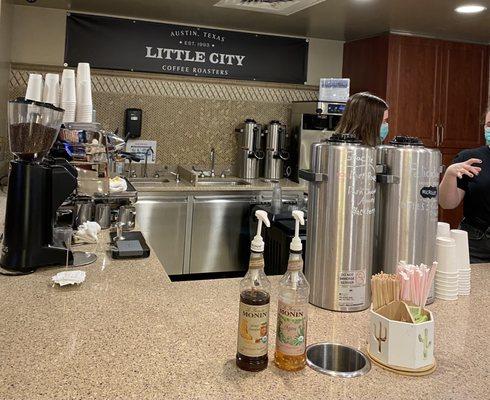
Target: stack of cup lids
463,255
447,274
68,95
84,93
35,87
51,92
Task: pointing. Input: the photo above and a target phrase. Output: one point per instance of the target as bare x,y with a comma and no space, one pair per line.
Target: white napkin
87,232
118,184
69,277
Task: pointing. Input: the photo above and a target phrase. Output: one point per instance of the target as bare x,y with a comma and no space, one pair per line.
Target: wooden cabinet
464,95
414,87
437,90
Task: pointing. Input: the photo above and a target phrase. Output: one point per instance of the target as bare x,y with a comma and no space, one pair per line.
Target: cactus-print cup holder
402,347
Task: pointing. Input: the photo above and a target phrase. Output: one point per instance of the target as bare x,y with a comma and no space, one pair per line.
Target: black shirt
477,189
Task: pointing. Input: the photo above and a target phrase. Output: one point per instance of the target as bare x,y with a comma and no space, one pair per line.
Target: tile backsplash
186,116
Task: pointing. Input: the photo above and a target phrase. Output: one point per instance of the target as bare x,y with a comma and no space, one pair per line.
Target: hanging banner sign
132,45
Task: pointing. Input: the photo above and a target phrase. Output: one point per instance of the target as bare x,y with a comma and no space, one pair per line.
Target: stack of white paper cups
447,269
84,93
34,87
443,229
68,95
463,259
51,92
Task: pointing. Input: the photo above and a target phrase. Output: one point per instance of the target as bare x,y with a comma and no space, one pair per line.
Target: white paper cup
446,295
35,87
446,255
51,92
446,274
462,249
448,287
443,229
69,116
68,87
84,94
446,298
67,74
84,107
85,116
447,280
445,283
83,72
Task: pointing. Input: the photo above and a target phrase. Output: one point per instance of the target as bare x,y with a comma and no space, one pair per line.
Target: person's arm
450,195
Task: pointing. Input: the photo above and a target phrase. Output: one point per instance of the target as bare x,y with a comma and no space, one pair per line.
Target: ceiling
332,19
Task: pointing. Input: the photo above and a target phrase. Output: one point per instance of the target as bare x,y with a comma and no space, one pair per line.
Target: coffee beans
31,141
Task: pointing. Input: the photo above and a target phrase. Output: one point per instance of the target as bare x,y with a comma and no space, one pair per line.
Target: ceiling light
281,7
470,9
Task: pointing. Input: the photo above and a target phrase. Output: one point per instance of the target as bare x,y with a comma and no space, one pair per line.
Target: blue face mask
384,130
487,135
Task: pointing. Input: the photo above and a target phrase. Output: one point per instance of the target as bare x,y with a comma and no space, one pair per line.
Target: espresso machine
311,122
250,155
276,152
37,188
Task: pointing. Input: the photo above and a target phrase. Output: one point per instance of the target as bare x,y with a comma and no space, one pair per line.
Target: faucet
177,176
148,151
200,172
224,172
213,162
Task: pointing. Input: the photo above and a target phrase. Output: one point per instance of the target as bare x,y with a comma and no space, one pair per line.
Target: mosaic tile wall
186,116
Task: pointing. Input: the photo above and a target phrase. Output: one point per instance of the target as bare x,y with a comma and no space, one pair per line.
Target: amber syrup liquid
253,364
289,363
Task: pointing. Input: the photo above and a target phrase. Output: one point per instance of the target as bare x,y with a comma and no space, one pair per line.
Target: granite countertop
129,333
185,186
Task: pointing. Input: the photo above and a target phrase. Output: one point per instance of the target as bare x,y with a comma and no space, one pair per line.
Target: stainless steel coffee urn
341,212
250,149
275,153
407,203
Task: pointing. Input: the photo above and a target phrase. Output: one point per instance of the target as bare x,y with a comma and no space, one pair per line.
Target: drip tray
337,360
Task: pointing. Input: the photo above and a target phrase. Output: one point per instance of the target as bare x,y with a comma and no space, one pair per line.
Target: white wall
324,60
38,35
5,28
5,36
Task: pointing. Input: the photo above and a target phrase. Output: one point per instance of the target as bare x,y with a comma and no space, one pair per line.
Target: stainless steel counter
195,232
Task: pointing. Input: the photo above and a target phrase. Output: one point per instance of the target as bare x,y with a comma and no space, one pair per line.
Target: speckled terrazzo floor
129,333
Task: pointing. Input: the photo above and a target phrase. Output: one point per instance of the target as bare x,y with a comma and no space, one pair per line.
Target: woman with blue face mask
468,180
366,116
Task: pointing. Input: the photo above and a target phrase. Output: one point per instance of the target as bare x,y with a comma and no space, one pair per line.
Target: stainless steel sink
144,183
337,360
221,182
149,181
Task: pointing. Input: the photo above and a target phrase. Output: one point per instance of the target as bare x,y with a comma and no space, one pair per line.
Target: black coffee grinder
37,187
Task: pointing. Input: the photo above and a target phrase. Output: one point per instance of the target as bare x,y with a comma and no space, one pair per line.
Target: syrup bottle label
253,330
291,329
